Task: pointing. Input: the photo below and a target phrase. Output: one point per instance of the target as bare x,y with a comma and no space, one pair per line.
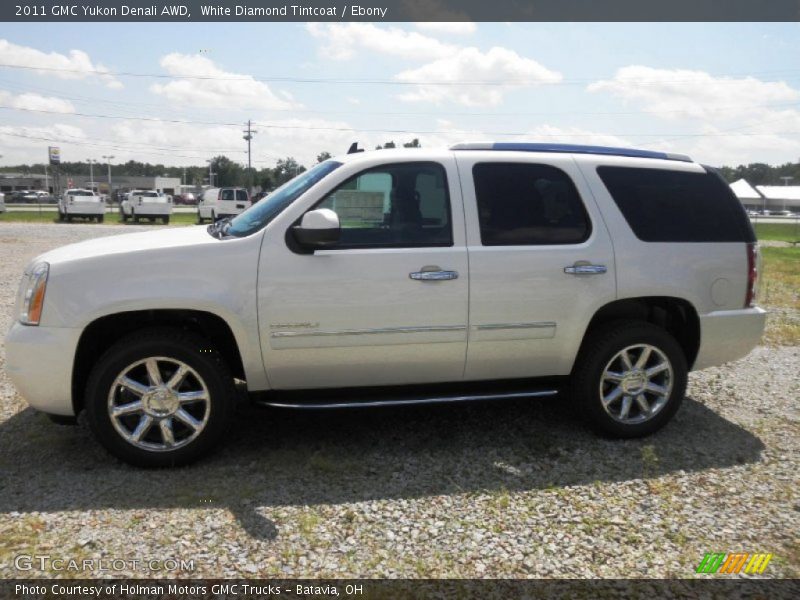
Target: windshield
257,216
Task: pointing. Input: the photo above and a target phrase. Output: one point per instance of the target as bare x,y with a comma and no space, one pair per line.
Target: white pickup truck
482,272
81,203
145,204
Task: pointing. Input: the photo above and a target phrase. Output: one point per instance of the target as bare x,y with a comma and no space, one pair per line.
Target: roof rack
570,149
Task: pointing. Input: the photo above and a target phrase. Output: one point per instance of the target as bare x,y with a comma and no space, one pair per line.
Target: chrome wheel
636,384
159,404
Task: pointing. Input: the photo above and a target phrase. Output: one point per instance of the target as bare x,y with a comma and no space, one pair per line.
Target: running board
409,401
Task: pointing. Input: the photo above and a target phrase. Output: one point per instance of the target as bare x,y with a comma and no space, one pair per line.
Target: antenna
354,148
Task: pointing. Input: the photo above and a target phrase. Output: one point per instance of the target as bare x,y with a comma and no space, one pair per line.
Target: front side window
399,205
521,204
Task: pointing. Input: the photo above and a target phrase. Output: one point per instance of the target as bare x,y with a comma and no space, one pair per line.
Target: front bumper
728,335
39,363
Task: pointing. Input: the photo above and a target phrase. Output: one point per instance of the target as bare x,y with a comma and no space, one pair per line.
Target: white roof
780,192
745,191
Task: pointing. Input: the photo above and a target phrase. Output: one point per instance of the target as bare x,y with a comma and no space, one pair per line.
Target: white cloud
472,65
737,123
21,144
74,65
453,27
220,89
680,93
33,101
345,41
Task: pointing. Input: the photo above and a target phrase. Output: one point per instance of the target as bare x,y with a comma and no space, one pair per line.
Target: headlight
31,294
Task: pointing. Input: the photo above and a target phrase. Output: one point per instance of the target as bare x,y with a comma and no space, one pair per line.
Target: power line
442,113
354,81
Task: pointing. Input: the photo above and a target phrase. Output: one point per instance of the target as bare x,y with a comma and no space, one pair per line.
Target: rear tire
101,218
134,216
171,421
629,379
165,220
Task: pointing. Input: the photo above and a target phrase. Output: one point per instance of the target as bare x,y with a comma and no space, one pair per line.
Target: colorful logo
719,562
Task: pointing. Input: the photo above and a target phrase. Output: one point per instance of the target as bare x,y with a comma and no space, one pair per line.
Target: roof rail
570,149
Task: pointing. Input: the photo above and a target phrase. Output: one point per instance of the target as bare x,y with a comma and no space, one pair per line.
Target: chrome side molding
419,329
495,326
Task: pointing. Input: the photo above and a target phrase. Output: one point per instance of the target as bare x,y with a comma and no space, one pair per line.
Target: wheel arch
104,331
675,315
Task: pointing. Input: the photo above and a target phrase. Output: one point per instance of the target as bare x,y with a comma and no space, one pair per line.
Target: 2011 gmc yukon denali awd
486,271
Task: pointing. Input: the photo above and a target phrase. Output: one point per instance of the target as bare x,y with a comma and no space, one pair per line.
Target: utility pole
248,135
210,173
786,180
91,173
108,161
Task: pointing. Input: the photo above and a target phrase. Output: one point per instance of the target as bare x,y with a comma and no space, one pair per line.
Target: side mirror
317,229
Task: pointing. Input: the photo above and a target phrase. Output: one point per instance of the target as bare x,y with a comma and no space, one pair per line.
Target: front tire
629,379
160,398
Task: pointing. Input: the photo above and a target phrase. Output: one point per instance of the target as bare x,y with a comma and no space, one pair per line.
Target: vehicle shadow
289,458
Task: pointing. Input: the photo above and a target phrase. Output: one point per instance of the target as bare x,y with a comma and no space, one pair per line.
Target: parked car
219,203
81,203
783,213
146,204
186,199
2,202
37,196
486,272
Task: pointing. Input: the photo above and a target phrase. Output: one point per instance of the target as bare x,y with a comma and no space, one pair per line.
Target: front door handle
438,275
586,269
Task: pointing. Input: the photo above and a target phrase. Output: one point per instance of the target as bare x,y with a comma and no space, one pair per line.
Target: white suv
396,277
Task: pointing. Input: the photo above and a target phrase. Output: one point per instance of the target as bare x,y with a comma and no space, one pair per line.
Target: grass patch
111,218
780,293
778,232
780,285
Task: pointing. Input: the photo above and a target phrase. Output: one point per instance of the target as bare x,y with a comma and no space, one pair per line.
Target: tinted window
404,204
241,195
526,204
676,206
226,195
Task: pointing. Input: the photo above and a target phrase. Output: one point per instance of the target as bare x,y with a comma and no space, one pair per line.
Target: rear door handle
586,269
433,275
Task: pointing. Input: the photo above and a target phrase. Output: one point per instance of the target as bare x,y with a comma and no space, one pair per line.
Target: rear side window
226,195
523,204
241,195
676,206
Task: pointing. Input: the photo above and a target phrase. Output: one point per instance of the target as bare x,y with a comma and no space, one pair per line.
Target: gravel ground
508,490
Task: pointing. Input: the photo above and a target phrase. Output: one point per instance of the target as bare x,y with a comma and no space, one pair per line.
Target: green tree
286,169
227,172
323,156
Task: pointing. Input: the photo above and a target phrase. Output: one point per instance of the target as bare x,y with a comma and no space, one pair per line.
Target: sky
180,93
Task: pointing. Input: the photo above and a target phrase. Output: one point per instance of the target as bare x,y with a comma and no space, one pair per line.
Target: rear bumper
149,210
39,363
728,335
81,210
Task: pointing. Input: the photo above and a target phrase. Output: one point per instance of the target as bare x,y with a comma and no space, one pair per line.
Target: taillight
753,260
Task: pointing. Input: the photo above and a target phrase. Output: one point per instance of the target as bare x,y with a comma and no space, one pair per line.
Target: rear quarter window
676,206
